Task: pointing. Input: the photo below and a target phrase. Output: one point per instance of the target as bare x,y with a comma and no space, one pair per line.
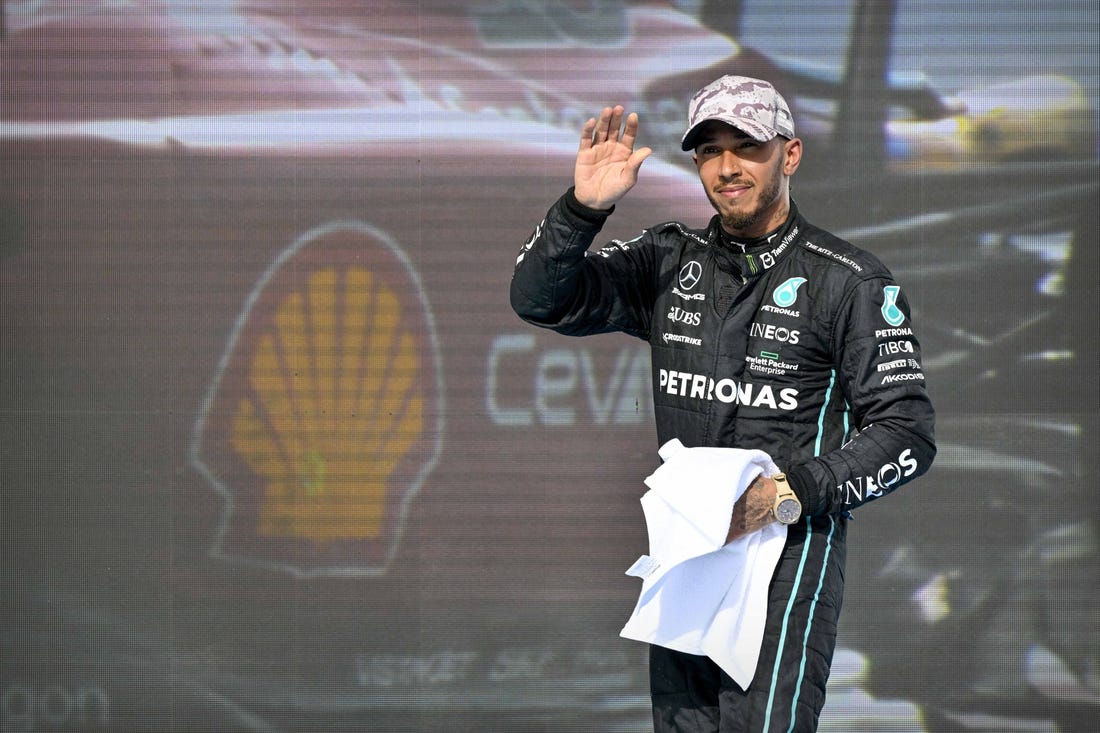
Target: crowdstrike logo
690,274
681,339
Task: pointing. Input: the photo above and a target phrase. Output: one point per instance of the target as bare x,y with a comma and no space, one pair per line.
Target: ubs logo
319,427
680,315
690,274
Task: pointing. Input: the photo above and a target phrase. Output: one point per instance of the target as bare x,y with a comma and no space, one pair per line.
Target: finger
630,132
586,133
634,162
615,123
600,130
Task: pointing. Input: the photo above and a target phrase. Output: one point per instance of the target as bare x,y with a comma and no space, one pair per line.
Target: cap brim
755,131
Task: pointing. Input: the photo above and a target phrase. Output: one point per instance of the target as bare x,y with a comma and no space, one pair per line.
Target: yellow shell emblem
320,427
337,403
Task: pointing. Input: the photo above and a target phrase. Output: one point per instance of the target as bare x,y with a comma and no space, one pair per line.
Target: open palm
607,163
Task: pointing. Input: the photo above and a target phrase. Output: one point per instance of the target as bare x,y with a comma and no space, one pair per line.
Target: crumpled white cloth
700,595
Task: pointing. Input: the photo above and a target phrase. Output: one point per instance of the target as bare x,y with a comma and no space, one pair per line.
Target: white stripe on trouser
809,623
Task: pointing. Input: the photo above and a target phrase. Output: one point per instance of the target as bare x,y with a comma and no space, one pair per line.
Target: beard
739,221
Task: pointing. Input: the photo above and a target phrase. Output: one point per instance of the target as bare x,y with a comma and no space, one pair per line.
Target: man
766,333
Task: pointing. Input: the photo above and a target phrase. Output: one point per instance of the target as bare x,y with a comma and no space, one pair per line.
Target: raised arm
555,285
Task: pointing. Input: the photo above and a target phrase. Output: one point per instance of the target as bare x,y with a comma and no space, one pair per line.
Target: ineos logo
690,274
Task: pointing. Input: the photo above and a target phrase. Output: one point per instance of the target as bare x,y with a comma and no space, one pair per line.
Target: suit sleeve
559,284
881,377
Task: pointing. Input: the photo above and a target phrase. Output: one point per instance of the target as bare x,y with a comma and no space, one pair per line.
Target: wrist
786,509
583,211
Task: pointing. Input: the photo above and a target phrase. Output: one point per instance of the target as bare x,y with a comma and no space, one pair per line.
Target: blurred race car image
1037,118
1044,118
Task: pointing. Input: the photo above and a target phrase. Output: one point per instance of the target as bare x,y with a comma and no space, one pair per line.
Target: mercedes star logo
690,274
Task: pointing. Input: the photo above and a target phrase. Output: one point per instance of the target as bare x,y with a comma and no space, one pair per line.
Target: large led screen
276,454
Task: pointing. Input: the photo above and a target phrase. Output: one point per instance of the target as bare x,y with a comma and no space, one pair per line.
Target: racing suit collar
752,257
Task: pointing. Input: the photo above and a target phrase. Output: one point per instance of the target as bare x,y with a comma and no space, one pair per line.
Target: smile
733,192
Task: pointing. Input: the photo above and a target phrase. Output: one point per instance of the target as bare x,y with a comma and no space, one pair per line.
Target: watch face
788,511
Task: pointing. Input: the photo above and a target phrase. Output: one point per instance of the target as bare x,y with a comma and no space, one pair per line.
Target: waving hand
607,163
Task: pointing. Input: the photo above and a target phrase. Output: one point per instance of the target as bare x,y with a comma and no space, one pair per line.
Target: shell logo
325,416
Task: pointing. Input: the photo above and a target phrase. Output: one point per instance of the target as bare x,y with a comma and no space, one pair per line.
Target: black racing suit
798,345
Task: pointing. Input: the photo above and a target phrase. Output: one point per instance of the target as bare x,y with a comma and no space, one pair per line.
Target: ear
792,156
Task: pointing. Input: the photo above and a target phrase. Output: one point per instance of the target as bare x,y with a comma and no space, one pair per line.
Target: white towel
700,595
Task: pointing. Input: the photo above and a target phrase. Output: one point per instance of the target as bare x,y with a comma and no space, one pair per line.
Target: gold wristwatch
787,508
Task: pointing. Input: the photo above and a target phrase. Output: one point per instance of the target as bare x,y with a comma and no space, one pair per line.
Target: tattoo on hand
752,511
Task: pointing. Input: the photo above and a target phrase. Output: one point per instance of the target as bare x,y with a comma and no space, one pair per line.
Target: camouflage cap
751,105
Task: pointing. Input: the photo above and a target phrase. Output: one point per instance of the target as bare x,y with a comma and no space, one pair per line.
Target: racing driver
766,333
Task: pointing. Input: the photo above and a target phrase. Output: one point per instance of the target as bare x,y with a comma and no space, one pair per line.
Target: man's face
746,180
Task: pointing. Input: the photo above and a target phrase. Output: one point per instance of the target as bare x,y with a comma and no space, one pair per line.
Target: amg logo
689,296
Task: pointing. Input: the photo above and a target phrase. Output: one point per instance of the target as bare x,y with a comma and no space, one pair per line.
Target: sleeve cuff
802,484
581,213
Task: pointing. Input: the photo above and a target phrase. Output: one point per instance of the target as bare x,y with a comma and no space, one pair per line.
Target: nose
729,165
